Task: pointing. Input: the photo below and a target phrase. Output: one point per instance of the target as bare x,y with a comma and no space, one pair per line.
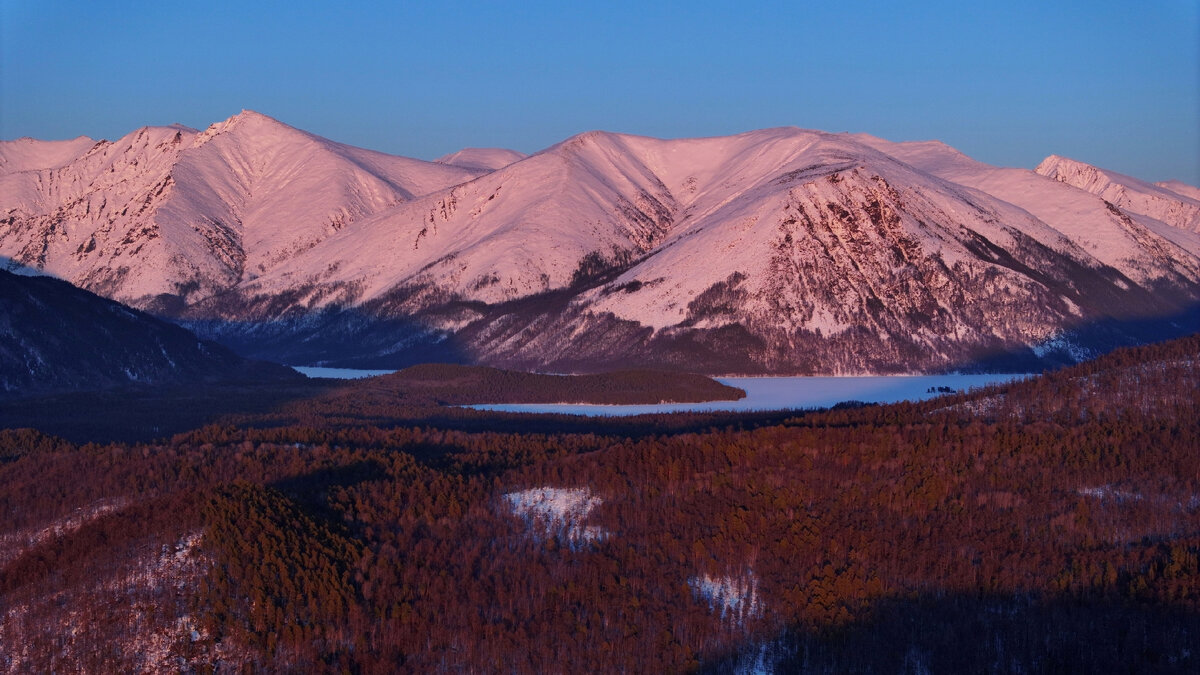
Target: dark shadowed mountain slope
55,337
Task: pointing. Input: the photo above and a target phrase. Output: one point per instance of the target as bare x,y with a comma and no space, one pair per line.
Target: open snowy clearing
557,513
735,599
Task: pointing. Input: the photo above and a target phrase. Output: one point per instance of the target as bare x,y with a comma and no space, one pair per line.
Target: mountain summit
166,216
774,251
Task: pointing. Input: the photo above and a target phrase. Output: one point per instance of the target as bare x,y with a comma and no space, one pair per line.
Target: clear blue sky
1111,82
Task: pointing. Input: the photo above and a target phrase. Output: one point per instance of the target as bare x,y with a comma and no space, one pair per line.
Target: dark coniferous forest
1051,525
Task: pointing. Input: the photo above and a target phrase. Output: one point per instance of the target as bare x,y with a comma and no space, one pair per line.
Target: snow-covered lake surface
338,373
784,393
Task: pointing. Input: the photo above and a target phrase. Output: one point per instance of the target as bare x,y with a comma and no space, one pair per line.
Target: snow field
734,598
557,513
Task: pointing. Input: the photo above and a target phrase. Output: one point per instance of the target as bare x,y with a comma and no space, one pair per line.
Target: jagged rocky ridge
55,337
774,251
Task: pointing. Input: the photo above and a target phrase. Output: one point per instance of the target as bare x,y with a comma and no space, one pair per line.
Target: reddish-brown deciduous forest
1049,525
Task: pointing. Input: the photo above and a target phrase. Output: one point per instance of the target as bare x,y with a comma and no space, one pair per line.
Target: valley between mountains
779,251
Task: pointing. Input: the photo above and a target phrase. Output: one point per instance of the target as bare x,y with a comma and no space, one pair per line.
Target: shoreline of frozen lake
338,373
782,393
762,393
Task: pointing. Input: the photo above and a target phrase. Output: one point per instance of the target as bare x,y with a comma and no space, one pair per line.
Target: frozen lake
762,393
784,393
338,373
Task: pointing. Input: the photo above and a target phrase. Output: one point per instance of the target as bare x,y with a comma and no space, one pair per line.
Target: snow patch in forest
175,569
1109,492
735,598
141,614
1188,502
14,544
558,513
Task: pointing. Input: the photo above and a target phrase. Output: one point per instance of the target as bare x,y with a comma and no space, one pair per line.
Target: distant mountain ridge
774,251
1160,202
488,159
168,215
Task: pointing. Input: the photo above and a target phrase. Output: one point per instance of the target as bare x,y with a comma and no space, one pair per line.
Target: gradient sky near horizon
1110,82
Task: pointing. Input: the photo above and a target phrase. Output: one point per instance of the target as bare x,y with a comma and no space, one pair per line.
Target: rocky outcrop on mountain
1177,209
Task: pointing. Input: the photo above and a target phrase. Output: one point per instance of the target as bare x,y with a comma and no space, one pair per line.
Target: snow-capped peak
168,211
484,159
250,122
28,154
1180,188
1074,172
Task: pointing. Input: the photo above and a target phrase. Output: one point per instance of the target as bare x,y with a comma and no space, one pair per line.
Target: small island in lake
458,385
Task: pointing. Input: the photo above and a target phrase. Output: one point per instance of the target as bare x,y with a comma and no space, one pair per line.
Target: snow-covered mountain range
780,250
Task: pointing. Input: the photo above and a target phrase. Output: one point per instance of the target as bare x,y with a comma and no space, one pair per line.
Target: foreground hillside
774,251
1048,525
